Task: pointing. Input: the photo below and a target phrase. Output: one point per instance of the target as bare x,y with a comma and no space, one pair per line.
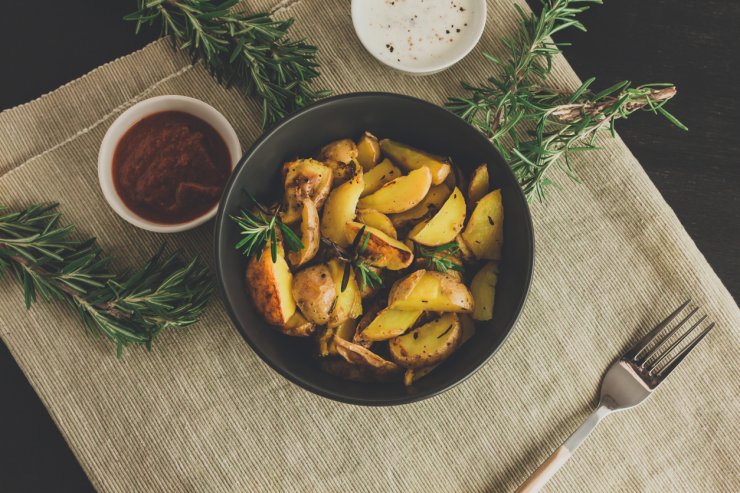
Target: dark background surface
691,43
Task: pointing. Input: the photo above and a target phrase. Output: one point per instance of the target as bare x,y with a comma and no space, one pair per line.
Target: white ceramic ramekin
465,45
140,110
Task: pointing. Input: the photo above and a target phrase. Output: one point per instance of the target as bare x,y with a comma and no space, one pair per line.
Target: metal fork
628,381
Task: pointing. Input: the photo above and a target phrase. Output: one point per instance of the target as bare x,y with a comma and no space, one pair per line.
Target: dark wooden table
690,43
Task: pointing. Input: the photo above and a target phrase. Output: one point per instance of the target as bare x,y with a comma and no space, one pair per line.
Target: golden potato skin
429,344
340,208
444,226
315,293
437,196
310,235
358,355
368,151
399,195
297,326
388,323
379,175
302,179
413,159
484,233
483,287
269,285
342,150
377,220
479,184
430,291
384,251
345,330
349,301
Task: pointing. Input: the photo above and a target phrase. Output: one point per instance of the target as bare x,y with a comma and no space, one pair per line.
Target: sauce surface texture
171,167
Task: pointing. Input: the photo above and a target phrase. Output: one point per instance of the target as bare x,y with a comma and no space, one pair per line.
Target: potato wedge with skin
389,323
341,172
444,226
381,174
368,151
310,235
382,250
427,345
304,179
315,293
349,302
484,233
413,159
345,330
356,373
270,285
400,194
483,287
342,150
377,220
430,291
479,184
340,209
432,202
465,251
358,355
298,326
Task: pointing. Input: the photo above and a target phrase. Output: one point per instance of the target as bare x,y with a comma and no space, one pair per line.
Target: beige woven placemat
203,413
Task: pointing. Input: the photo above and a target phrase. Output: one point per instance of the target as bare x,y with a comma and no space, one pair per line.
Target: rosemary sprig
362,265
439,258
260,227
535,127
131,308
251,52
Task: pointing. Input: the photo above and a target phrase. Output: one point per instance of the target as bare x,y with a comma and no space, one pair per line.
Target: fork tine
645,341
654,364
654,350
673,363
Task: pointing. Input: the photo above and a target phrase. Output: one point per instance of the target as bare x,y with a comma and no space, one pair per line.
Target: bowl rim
433,68
296,379
133,115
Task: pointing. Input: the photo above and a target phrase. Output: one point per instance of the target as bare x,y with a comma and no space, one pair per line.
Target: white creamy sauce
416,33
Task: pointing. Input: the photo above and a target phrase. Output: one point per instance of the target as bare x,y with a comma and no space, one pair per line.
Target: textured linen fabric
203,413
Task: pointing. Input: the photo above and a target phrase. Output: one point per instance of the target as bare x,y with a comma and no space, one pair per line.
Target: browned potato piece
484,233
429,205
303,179
429,344
298,326
388,323
368,151
270,285
357,373
377,220
343,151
465,251
399,195
349,301
341,172
384,251
483,287
381,174
444,225
430,291
310,235
358,355
413,159
315,293
345,330
478,186
340,208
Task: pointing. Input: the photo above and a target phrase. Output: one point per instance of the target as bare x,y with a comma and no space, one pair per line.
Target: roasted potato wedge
315,293
368,151
484,233
340,208
341,172
465,252
358,355
270,285
428,344
429,205
310,235
349,302
342,151
304,179
377,220
389,323
399,195
483,287
430,291
412,159
381,174
479,184
444,226
345,330
297,326
383,250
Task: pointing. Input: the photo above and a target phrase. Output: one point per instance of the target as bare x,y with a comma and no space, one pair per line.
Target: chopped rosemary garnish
260,227
439,258
363,266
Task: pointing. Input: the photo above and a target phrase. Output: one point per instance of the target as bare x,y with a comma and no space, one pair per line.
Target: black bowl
409,120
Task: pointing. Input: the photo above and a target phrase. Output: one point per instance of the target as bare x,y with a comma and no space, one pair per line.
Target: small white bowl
136,113
464,45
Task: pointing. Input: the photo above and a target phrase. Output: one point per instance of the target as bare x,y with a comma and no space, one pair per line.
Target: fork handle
557,459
